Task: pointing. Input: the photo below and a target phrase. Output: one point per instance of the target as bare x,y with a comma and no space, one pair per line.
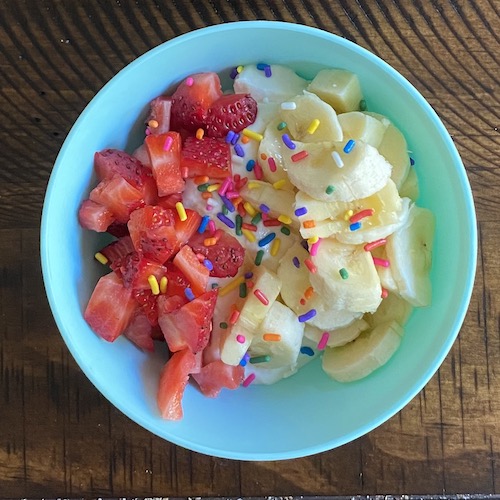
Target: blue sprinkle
239,150
296,262
228,222
250,165
307,350
307,316
203,224
355,226
235,139
248,275
264,208
234,73
262,66
267,239
229,136
288,142
208,264
412,161
227,203
301,211
189,293
268,72
349,145
243,362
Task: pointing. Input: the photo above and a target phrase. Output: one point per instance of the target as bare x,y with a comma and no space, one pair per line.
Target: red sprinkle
299,156
310,265
361,215
249,227
261,296
234,317
381,262
374,244
257,170
241,210
303,302
211,227
271,222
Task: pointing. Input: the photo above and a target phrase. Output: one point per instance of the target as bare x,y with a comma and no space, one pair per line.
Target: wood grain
59,436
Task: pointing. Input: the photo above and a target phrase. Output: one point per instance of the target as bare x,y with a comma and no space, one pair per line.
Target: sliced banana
410,189
360,126
359,358
392,308
337,87
385,273
409,250
300,123
364,170
339,336
235,343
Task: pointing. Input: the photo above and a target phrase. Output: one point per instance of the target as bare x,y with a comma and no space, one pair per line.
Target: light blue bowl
307,413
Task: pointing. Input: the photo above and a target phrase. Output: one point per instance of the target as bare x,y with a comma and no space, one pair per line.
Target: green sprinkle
215,285
225,210
329,189
343,273
258,257
243,290
239,221
256,219
203,187
260,359
281,125
285,230
362,105
223,325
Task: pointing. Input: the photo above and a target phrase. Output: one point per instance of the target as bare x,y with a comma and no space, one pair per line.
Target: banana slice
235,343
360,126
359,290
409,250
364,172
339,336
392,308
359,358
283,84
337,87
309,107
410,189
385,273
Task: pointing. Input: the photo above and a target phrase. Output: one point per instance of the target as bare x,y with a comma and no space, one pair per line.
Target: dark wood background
58,435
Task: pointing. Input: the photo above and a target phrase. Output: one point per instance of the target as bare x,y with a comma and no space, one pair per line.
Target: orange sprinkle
245,139
271,337
309,292
263,156
200,133
310,265
210,242
237,201
206,195
201,179
309,224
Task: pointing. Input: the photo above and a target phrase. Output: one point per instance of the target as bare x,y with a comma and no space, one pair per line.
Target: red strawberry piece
230,112
141,153
169,201
184,230
139,331
135,270
193,269
192,99
118,249
148,304
177,282
226,255
217,375
190,325
110,308
208,156
164,154
159,115
95,216
118,229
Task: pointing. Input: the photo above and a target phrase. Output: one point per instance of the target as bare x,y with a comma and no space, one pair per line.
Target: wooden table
58,435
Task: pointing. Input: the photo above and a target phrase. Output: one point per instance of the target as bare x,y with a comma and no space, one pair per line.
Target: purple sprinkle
189,293
227,203
307,316
301,211
235,139
267,71
234,73
239,150
296,262
227,221
412,161
305,245
229,136
264,208
355,226
208,264
288,142
248,275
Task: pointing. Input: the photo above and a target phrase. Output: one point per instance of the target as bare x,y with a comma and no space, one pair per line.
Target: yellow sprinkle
312,240
163,284
101,258
348,215
248,235
279,184
181,211
254,185
271,337
213,187
153,283
249,208
313,126
284,219
200,133
231,286
275,246
252,134
239,68
153,123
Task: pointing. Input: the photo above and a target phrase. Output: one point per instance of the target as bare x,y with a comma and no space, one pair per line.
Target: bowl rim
471,250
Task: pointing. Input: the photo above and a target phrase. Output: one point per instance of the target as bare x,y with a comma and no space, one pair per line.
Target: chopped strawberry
118,229
230,112
192,99
110,307
193,269
95,216
152,230
119,196
141,153
189,326
226,255
148,304
134,269
208,156
216,375
139,331
173,380
159,115
169,201
187,228
164,154
118,249
169,303
177,282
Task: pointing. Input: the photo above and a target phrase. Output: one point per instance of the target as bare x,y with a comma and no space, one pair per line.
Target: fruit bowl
307,413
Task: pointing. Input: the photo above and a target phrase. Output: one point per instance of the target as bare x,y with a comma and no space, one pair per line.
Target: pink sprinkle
231,195
200,257
225,186
314,248
211,227
381,262
168,143
240,338
384,293
261,297
323,341
257,170
249,380
148,131
272,164
189,81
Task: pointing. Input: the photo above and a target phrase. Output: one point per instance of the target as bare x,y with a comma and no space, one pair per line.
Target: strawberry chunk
177,282
159,115
95,216
188,326
193,269
110,307
118,249
208,156
164,152
217,375
173,380
230,112
134,269
148,304
184,230
139,331
192,99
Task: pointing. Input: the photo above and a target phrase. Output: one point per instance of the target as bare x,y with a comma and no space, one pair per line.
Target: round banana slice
339,336
409,250
392,308
360,126
359,358
409,189
309,119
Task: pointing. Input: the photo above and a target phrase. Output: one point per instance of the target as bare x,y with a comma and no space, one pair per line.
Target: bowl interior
258,423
